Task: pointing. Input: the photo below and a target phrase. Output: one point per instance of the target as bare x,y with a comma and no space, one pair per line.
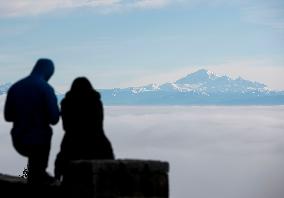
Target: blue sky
120,43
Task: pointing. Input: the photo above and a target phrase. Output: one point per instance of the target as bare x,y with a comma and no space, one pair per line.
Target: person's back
32,106
83,112
29,109
82,117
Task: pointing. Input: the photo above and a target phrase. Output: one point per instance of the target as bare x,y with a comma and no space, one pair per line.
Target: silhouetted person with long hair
32,106
82,117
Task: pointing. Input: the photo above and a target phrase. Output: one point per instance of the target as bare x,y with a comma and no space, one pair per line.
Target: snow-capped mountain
205,82
200,87
4,88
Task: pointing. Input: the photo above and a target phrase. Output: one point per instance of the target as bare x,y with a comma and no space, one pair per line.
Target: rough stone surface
98,179
118,178
13,186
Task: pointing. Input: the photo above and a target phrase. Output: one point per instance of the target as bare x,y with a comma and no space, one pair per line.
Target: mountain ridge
202,87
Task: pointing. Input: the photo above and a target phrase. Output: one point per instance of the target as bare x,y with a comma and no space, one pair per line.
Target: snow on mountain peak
201,75
200,87
150,87
204,81
4,87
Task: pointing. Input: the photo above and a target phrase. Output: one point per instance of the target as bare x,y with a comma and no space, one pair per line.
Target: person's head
44,67
81,85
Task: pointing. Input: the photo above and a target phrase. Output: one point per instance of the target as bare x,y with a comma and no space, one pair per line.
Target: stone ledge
9,179
14,186
135,165
123,178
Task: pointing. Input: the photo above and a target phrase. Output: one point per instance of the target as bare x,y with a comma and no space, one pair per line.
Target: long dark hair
81,85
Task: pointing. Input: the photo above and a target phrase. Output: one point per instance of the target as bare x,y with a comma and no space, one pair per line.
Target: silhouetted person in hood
32,106
82,116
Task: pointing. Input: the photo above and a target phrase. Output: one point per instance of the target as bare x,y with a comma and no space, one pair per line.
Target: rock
118,178
98,179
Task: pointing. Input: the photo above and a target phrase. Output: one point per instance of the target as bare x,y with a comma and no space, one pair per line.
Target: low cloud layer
218,152
213,151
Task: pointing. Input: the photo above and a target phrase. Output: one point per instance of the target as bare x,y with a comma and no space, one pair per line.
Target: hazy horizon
122,43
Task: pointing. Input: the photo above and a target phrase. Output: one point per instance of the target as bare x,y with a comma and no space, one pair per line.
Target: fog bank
214,152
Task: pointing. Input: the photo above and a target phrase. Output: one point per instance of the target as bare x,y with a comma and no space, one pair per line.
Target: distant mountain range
199,88
4,88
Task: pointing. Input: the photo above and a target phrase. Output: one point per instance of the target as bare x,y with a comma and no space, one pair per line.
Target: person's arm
101,110
64,115
52,107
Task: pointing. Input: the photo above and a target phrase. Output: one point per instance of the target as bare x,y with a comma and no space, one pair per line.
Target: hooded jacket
32,106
